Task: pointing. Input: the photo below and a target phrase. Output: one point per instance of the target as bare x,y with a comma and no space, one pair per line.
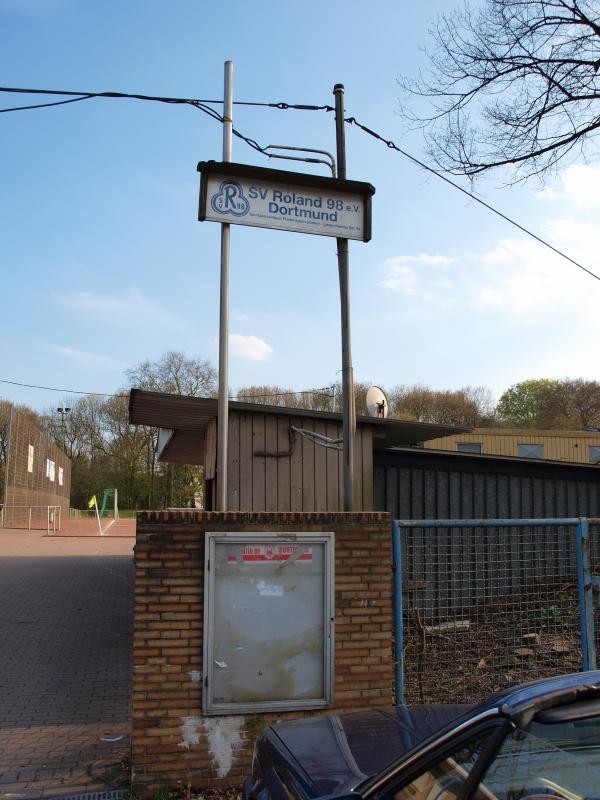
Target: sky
104,263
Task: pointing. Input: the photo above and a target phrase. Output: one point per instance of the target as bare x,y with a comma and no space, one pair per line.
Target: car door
450,769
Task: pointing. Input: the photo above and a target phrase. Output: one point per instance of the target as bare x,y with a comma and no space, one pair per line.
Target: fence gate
483,604
588,568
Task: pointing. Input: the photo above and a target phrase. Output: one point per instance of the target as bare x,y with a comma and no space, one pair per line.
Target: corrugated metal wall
422,485
558,445
499,561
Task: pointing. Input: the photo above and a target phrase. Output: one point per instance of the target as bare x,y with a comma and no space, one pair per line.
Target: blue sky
104,263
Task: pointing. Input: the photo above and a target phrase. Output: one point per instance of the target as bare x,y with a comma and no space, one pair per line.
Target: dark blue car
540,741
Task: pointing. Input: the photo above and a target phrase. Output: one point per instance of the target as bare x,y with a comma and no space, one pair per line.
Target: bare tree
514,83
268,395
468,407
574,404
175,373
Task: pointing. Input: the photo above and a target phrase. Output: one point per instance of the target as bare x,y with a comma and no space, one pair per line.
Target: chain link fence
487,606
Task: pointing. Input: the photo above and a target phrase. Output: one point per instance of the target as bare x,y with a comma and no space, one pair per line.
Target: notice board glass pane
268,637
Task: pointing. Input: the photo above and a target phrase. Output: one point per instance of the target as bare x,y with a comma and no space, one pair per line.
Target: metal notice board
240,194
268,621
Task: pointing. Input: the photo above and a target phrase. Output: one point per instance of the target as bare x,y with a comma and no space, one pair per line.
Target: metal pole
7,464
586,595
398,612
223,410
349,413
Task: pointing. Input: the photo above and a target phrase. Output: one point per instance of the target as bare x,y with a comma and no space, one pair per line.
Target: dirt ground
491,646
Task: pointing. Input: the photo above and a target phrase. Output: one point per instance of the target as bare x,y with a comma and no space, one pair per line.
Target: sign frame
359,189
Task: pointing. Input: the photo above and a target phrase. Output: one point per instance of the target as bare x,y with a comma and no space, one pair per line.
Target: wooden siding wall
210,444
310,478
558,445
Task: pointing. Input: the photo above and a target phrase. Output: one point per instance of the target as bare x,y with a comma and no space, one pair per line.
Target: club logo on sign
230,200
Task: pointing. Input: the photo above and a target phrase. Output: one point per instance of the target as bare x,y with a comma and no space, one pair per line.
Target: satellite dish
377,404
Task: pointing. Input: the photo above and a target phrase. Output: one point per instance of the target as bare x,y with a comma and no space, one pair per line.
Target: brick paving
65,663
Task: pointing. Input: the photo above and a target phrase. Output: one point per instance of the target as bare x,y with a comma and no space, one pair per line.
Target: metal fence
46,518
485,604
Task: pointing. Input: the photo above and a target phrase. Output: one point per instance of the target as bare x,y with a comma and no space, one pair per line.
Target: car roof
342,752
522,703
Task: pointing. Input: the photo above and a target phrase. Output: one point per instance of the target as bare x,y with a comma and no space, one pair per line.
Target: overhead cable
323,390
204,106
154,98
389,143
65,391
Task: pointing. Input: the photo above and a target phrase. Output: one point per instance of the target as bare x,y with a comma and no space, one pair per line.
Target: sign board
268,610
269,552
283,200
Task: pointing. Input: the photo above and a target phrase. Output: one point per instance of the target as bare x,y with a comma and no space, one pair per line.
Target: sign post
223,406
241,194
348,400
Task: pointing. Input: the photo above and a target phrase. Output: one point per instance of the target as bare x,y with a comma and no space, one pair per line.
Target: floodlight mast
349,409
223,405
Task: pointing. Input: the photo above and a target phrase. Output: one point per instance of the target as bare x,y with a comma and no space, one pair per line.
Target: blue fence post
586,595
398,612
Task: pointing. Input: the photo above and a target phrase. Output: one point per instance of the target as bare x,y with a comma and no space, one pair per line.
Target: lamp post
63,411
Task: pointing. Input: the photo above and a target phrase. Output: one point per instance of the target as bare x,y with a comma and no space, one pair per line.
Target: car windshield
551,761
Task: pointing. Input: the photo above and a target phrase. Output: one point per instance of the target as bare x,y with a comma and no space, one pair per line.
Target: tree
175,484
574,404
515,83
470,406
526,404
327,398
173,372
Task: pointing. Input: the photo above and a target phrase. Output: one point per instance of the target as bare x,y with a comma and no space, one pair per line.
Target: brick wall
173,744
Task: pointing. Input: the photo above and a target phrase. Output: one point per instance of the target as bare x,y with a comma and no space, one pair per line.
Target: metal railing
31,517
481,604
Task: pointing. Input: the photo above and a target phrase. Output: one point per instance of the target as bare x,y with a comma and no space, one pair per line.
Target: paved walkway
65,663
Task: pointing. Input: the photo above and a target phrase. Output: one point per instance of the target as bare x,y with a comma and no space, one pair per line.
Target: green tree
526,404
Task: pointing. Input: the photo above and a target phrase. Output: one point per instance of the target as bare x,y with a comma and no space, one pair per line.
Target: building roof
588,433
467,460
185,420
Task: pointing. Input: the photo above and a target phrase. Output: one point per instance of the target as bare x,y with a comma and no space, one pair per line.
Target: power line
153,98
204,106
323,389
389,143
66,391
107,394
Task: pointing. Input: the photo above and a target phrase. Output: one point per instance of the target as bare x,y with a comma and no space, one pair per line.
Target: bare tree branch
513,84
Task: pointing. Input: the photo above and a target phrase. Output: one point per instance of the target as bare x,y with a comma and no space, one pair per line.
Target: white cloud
516,278
400,275
90,360
122,308
578,184
250,347
522,277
